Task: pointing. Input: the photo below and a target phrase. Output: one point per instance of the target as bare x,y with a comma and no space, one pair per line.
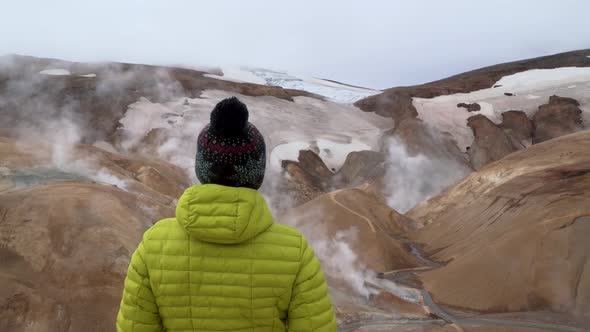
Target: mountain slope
92,154
473,111
397,103
513,235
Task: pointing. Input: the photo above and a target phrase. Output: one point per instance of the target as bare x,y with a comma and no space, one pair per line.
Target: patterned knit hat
230,150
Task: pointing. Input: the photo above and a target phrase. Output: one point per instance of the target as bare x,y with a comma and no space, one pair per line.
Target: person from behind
223,264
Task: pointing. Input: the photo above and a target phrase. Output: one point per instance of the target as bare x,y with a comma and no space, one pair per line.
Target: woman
223,264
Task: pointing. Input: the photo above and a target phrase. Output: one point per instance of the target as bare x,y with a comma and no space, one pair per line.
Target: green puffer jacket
223,265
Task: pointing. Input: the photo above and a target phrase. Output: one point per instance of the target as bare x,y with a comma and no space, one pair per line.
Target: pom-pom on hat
230,150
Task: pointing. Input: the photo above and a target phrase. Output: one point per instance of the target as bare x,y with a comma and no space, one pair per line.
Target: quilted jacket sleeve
310,308
138,311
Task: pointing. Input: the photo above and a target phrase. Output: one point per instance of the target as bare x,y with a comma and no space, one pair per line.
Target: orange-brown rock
561,116
360,167
309,177
315,166
474,107
66,237
64,249
299,183
98,103
490,142
518,127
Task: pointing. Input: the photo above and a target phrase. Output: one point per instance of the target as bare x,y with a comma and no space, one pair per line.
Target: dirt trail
333,198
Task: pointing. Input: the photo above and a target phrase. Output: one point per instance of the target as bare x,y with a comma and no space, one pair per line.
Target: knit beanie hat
230,150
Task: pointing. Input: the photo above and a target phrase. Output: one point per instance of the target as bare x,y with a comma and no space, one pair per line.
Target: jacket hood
221,214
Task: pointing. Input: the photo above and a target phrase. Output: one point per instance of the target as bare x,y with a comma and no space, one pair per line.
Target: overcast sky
377,44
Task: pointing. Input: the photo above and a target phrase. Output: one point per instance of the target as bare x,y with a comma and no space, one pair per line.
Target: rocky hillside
66,236
98,95
397,102
512,237
491,112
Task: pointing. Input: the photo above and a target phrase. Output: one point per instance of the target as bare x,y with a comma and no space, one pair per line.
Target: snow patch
337,85
333,91
544,77
487,109
336,92
237,75
88,75
444,115
55,72
334,153
335,129
289,151
531,88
